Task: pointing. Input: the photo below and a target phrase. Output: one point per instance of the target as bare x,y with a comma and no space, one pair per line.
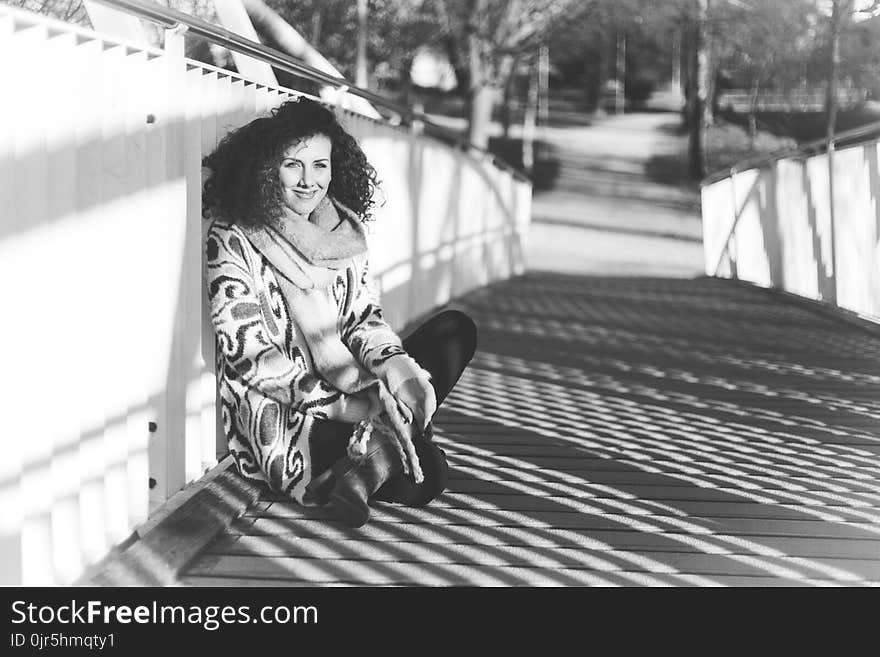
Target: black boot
355,483
403,490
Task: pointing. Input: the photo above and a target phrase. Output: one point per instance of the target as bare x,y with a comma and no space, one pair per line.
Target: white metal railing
805,221
174,20
740,100
109,352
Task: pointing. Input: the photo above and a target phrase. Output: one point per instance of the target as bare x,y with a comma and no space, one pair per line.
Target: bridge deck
622,432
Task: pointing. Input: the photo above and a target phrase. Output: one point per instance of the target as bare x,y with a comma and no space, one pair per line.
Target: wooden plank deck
619,431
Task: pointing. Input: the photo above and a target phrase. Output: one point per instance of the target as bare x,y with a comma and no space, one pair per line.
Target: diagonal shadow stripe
620,432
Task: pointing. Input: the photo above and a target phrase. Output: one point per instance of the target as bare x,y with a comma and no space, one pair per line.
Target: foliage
764,42
860,55
395,30
583,49
69,11
783,44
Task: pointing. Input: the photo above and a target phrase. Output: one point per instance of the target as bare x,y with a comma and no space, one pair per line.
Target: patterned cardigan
272,399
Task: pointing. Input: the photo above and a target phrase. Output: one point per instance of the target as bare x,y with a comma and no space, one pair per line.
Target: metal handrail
171,18
846,138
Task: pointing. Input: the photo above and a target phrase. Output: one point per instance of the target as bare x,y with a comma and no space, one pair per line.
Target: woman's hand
393,423
411,387
417,401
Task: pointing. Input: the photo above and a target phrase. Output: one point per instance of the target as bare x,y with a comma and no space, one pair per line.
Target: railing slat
28,216
161,285
192,277
135,108
212,439
87,266
113,168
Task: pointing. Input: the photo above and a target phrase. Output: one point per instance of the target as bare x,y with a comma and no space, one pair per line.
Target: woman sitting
321,400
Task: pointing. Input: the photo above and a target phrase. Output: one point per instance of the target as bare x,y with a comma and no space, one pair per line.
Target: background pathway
616,200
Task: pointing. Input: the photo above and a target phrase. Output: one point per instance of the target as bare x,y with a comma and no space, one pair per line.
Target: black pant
443,345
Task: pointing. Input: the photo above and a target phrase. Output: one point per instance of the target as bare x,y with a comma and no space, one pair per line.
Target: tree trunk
462,73
450,45
697,93
676,83
707,67
482,102
839,8
406,83
620,76
529,121
753,102
544,85
317,24
480,93
507,103
361,75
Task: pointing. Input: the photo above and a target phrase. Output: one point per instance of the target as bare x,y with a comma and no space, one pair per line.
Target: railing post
731,252
172,435
725,247
174,41
830,151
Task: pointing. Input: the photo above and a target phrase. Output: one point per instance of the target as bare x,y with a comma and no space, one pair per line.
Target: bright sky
825,5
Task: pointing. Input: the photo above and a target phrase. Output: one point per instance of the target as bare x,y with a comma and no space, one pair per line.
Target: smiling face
305,173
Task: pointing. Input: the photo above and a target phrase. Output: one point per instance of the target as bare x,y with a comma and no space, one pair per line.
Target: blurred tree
860,54
583,47
494,34
698,110
395,31
841,16
763,43
69,11
841,25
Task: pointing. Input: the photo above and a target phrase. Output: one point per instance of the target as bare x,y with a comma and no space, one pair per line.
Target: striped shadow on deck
617,431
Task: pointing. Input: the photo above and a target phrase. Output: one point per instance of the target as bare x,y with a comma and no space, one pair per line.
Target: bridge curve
620,431
611,430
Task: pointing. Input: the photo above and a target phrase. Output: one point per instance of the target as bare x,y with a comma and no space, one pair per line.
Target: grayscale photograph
436,293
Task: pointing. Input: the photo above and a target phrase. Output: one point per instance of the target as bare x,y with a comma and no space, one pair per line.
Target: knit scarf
308,254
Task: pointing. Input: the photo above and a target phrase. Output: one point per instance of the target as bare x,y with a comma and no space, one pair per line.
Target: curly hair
244,184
